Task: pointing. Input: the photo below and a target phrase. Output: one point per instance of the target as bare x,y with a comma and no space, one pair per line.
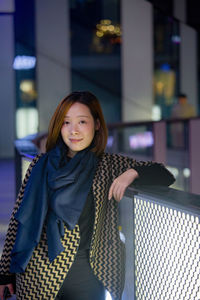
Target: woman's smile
72,140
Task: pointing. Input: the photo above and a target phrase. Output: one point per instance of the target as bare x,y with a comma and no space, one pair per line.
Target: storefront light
186,172
26,121
105,27
26,86
24,62
156,113
105,22
99,33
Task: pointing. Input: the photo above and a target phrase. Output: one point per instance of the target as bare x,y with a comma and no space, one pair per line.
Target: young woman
63,239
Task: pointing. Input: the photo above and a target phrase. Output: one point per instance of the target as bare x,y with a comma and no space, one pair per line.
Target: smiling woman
78,129
90,109
63,239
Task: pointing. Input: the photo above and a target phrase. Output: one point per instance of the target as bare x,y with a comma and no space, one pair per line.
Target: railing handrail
167,195
147,122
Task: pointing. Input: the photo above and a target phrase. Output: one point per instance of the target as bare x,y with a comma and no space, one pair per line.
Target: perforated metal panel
167,252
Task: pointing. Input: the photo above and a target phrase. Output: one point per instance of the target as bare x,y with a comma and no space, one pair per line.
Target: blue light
165,67
24,62
176,39
110,141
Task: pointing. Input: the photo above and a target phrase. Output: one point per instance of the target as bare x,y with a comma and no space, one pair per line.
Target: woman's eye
82,122
66,123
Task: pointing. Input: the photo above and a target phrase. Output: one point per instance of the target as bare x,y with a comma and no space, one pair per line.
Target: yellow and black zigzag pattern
42,279
109,252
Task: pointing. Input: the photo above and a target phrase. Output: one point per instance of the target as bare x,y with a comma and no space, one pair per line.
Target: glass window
166,62
95,50
24,65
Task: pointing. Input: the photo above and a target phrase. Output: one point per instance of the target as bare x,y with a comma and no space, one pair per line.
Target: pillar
53,56
189,64
7,82
137,59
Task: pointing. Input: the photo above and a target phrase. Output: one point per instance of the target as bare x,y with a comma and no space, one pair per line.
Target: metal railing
161,229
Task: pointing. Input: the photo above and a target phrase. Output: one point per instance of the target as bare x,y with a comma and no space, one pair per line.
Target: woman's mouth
75,140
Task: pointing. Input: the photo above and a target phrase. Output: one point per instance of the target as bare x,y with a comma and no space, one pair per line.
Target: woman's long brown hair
88,99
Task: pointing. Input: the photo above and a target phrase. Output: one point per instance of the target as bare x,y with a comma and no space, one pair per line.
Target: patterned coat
42,279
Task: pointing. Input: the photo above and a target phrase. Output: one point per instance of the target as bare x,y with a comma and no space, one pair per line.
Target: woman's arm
119,185
152,173
127,170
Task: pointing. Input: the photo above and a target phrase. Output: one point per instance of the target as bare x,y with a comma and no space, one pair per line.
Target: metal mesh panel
167,252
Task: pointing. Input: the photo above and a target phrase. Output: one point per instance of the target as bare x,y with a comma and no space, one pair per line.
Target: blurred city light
176,39
156,113
141,140
24,62
26,121
186,172
106,28
108,296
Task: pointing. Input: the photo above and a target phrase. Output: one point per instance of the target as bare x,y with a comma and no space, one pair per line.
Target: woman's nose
74,129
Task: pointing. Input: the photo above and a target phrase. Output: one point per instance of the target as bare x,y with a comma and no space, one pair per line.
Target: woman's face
78,128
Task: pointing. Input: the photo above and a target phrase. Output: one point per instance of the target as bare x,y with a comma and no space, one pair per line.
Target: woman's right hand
2,289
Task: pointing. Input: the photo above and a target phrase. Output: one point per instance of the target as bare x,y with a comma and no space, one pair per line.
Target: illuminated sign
24,62
141,140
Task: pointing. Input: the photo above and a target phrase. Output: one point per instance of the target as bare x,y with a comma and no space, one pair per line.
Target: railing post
160,145
194,153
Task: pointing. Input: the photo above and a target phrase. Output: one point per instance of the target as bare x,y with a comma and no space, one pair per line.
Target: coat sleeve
5,275
150,173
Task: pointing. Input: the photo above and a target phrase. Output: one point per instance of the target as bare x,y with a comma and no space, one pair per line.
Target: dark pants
80,282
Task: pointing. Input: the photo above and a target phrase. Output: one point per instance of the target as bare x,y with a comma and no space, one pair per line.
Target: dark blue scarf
56,192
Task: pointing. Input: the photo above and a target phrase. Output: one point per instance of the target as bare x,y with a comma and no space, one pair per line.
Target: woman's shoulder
113,157
36,158
106,156
33,163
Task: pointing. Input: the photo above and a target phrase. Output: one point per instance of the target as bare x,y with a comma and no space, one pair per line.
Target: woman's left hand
120,184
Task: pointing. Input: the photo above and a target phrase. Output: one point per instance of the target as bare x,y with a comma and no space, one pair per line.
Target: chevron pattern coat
42,279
